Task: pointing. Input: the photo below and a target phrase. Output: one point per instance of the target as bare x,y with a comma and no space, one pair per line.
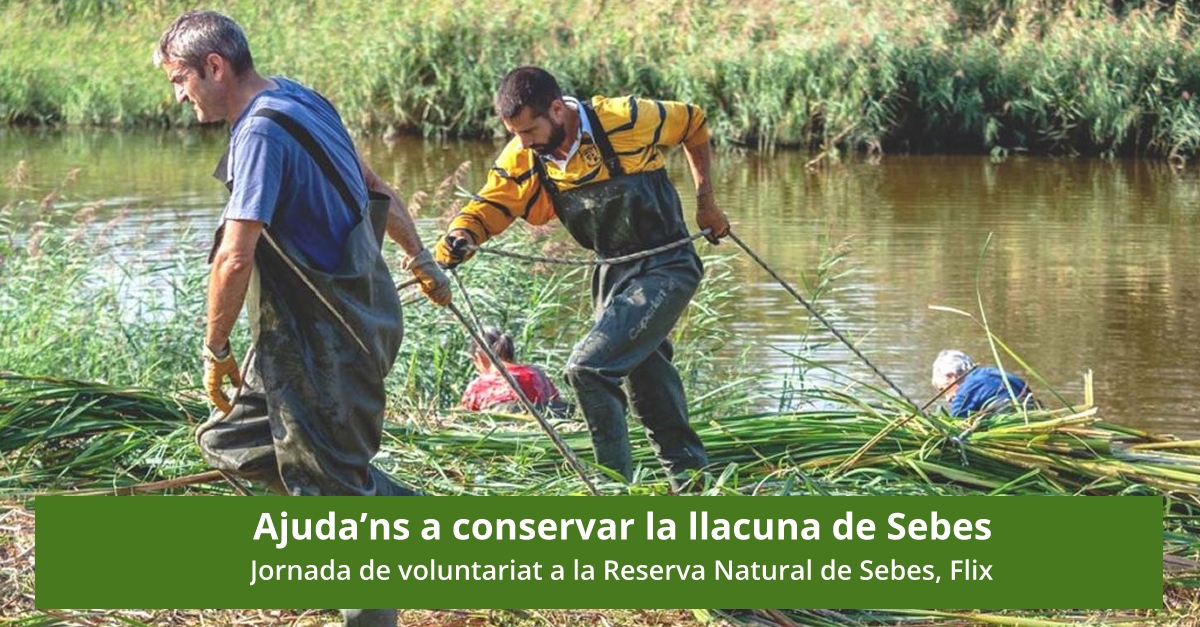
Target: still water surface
1092,265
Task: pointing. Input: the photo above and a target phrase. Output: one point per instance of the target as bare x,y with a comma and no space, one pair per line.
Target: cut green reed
86,301
1087,76
899,617
125,437
58,433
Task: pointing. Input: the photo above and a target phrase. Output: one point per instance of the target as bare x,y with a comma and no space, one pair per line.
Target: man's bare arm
229,279
400,226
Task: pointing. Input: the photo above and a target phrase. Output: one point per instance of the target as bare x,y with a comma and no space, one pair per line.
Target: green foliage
76,302
1051,76
126,315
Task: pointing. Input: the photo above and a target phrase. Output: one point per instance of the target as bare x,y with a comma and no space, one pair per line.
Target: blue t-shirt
982,387
276,182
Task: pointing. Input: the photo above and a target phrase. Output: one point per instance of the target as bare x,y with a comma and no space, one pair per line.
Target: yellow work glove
708,216
218,367
433,281
455,248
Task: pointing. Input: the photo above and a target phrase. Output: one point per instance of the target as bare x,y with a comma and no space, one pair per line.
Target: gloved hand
216,368
433,281
708,216
455,248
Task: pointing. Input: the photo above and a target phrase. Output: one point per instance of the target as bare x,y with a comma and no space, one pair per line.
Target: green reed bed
1055,453
96,316
79,300
976,75
107,399
63,303
70,434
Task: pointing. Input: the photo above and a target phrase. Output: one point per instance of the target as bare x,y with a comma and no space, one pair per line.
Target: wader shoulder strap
601,138
314,149
611,160
539,168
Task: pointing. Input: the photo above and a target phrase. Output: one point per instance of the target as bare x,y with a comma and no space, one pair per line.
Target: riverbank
17,554
62,435
848,452
996,76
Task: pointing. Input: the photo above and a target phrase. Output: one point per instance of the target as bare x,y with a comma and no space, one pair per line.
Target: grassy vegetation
1054,76
83,311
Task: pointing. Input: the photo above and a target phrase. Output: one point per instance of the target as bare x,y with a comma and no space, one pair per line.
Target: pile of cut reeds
64,434
1041,452
69,435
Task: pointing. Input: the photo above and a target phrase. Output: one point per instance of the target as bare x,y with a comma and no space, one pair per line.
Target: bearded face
558,133
542,133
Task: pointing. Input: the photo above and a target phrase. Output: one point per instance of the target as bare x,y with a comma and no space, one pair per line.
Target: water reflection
1087,262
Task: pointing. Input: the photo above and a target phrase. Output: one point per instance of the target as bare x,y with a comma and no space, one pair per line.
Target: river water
1077,265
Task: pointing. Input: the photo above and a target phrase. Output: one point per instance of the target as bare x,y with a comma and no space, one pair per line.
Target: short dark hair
196,34
500,343
526,86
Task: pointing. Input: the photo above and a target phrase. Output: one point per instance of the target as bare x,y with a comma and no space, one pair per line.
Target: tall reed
974,75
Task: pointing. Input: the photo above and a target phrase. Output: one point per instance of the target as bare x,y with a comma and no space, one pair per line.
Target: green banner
599,553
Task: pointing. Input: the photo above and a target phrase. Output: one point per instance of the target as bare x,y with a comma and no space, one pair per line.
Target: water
1078,265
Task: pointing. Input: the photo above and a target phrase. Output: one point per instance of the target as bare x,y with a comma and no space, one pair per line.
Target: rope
816,314
609,261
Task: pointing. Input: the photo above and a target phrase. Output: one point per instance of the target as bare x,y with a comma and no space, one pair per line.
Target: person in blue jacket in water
971,389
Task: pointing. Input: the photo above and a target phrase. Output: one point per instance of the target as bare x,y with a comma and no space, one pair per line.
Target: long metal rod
816,314
208,476
462,289
559,444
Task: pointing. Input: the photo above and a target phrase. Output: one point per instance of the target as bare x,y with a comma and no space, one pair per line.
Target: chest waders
625,358
310,416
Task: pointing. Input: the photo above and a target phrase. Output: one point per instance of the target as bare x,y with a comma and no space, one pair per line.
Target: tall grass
76,309
57,434
89,301
78,300
975,75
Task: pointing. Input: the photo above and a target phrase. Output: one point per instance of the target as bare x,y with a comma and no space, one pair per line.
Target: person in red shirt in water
490,392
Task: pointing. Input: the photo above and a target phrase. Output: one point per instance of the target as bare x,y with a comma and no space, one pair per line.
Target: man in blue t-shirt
972,389
298,247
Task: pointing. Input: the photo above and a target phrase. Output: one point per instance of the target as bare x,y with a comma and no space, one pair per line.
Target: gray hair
196,34
950,365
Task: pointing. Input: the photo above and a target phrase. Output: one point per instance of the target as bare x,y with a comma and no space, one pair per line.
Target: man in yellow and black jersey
598,167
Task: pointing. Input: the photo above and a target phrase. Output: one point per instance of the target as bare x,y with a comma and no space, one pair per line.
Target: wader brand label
655,303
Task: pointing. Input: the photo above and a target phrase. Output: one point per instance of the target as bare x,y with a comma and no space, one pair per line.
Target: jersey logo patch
590,154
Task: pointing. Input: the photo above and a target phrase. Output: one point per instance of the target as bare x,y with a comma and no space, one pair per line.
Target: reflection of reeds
58,434
77,300
1002,75
18,178
445,199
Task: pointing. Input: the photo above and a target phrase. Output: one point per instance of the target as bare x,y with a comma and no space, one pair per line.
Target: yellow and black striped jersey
637,128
